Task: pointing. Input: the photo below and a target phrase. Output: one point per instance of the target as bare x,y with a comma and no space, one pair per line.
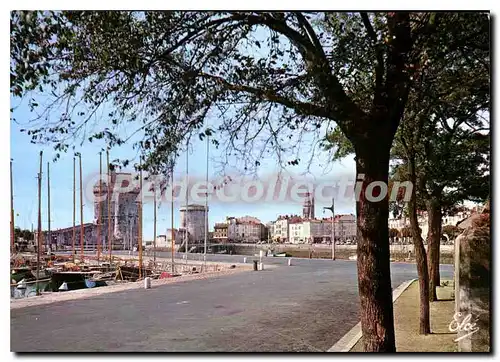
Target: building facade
221,232
297,230
246,229
63,238
123,216
404,222
345,227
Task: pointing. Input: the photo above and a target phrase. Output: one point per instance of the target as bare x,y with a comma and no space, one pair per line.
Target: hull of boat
74,280
89,283
281,255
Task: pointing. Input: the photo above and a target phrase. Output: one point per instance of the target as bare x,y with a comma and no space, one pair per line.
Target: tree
449,84
268,77
393,233
451,152
408,136
451,231
23,233
406,232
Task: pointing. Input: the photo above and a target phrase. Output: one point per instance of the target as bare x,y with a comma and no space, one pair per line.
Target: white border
186,4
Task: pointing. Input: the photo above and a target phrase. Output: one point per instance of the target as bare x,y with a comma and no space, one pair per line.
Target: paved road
305,307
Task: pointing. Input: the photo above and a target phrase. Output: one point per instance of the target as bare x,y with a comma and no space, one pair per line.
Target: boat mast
154,223
99,210
49,235
81,209
74,209
39,240
12,233
172,216
110,244
186,197
206,208
139,238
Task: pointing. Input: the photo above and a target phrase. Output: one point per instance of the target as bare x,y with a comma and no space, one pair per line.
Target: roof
193,206
77,228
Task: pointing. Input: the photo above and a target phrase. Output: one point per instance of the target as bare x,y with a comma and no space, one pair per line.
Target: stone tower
124,212
308,207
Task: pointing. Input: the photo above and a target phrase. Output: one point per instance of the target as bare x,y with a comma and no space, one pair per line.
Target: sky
25,156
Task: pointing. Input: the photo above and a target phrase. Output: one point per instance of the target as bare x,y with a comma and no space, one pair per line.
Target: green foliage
406,232
451,230
444,127
393,233
25,234
264,80
337,142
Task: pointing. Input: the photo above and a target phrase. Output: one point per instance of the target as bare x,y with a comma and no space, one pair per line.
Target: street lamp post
332,209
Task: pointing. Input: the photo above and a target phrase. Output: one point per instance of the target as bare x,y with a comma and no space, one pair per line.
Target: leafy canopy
256,82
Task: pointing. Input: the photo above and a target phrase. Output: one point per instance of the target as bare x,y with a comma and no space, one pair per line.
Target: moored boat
92,283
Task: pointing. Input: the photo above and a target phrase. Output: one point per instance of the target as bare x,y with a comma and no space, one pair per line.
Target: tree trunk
421,260
433,243
374,277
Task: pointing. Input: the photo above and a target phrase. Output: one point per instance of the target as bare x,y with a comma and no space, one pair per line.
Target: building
123,219
246,229
270,230
193,219
345,227
161,241
249,229
178,238
124,212
63,238
297,230
404,222
281,229
221,232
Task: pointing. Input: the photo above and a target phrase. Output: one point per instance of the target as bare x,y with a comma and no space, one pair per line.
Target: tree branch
379,68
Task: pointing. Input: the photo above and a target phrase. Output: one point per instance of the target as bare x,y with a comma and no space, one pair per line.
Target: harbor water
29,291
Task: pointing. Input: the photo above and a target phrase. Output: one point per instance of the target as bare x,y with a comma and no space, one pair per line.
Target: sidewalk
52,297
406,312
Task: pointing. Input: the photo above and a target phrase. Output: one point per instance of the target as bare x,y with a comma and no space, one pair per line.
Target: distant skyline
25,157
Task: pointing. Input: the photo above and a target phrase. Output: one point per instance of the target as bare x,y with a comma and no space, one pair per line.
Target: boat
74,280
281,254
63,287
92,283
19,274
21,284
131,273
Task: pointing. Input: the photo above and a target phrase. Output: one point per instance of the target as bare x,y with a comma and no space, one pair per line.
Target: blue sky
26,164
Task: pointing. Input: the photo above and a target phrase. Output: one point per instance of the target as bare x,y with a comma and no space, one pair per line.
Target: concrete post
290,262
147,283
245,260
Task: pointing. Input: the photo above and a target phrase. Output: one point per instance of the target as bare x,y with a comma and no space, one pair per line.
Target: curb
352,337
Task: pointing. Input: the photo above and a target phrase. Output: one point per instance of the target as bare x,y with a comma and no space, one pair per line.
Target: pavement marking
347,342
